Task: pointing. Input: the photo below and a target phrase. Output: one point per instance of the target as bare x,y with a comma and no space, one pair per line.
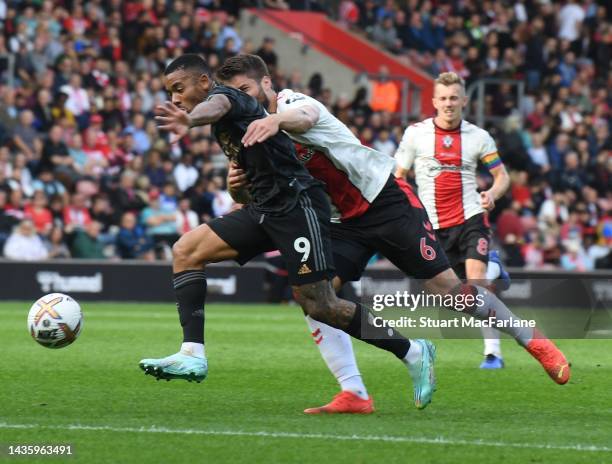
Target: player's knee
303,299
306,301
182,253
317,300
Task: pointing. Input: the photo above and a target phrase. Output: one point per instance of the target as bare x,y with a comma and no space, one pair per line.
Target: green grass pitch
264,370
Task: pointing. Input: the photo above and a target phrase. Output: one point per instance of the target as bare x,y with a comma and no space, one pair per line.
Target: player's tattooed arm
237,184
297,120
210,110
178,122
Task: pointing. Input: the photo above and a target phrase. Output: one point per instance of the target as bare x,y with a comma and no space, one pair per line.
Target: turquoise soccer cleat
176,366
422,373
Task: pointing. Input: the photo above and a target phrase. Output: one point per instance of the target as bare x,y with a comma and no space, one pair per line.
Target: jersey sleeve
488,152
288,99
406,153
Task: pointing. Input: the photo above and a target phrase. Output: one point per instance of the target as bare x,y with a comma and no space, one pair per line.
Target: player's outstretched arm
177,121
296,120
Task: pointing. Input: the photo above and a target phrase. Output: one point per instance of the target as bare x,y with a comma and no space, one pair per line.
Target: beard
263,99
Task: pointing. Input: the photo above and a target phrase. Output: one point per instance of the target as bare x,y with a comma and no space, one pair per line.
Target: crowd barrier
150,282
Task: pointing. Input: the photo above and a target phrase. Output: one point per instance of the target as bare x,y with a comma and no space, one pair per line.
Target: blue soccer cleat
492,362
503,281
422,374
176,366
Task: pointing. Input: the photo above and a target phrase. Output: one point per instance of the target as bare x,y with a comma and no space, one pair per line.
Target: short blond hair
449,78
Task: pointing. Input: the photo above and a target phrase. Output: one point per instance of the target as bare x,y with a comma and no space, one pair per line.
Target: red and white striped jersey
353,174
445,165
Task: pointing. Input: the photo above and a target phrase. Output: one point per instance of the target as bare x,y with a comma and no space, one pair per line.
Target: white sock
414,352
193,349
337,351
493,271
491,336
492,344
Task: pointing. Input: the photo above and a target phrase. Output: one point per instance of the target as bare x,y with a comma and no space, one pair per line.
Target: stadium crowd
84,172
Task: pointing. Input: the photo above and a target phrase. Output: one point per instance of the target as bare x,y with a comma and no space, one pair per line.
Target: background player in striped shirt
444,152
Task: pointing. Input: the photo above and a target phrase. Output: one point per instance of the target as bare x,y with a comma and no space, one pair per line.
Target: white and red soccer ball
55,320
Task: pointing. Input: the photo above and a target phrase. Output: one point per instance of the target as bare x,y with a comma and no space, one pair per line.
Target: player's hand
172,119
260,130
487,201
236,177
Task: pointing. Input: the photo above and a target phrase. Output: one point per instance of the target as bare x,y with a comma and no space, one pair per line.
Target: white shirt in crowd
570,20
186,221
78,100
23,247
185,176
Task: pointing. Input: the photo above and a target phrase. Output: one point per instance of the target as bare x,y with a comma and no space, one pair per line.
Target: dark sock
190,291
381,337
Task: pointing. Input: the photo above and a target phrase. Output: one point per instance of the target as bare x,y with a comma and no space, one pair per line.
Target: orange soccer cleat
550,357
345,402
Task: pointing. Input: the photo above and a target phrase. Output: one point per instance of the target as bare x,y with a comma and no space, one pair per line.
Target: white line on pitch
315,436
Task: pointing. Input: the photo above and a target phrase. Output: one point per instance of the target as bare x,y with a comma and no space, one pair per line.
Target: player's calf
319,301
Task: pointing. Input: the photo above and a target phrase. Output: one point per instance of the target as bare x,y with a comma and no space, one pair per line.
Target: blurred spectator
124,196
384,144
142,142
185,174
25,136
38,212
132,241
55,155
102,212
385,34
76,214
43,117
160,223
87,244
572,176
348,13
509,224
267,53
7,220
47,183
78,100
24,243
186,218
575,258
384,93
571,16
537,153
228,32
55,245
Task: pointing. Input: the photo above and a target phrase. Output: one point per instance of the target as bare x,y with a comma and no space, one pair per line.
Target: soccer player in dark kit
286,209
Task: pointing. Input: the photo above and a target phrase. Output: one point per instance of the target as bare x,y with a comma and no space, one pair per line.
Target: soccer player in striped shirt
444,152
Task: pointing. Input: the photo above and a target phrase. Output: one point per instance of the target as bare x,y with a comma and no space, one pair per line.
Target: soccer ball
55,320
